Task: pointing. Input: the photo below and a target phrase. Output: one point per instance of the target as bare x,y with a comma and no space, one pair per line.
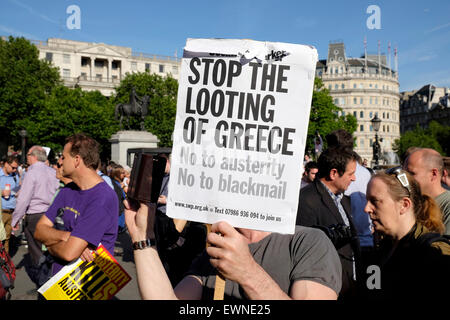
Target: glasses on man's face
401,176
13,167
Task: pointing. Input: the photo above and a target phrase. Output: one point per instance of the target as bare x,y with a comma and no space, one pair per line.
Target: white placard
240,132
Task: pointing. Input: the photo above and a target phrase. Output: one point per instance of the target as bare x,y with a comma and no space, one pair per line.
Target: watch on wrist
147,243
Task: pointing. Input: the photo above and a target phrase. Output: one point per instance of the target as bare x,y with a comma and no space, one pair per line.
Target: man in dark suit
323,205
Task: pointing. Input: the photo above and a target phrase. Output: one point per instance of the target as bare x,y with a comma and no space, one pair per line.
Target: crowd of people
351,222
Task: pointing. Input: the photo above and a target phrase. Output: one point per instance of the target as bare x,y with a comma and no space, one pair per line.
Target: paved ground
25,289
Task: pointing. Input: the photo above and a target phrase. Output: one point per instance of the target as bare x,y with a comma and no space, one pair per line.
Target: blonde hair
426,210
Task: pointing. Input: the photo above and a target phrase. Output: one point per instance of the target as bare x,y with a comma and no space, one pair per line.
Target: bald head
426,165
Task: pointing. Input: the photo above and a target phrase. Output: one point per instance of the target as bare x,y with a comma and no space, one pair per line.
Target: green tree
67,111
25,84
163,102
436,136
324,116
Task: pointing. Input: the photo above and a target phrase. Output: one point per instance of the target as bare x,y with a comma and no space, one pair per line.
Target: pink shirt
36,192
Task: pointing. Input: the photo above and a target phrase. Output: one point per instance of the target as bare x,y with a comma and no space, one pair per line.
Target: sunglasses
401,176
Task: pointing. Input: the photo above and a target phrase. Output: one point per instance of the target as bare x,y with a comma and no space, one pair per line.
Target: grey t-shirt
443,200
306,255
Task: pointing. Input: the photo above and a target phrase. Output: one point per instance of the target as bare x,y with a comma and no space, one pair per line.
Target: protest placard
99,279
242,118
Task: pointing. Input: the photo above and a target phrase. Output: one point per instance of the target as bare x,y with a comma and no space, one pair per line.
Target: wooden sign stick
219,288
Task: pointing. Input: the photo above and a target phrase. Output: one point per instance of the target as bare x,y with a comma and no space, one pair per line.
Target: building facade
364,87
419,107
98,66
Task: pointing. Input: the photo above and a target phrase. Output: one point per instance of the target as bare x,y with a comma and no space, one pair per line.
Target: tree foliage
67,111
163,102
436,136
25,84
324,115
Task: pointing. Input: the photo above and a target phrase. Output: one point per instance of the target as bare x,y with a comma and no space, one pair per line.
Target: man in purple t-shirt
89,211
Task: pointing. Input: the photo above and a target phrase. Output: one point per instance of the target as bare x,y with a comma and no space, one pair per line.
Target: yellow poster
99,279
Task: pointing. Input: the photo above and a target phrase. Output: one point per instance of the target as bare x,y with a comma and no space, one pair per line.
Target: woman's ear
406,205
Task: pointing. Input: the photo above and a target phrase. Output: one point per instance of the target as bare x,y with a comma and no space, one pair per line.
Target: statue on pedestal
137,107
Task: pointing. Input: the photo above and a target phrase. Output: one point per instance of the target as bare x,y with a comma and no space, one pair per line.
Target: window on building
354,86
49,56
174,69
161,68
361,127
343,86
376,86
361,143
361,100
99,63
354,113
342,101
133,65
66,73
147,67
330,87
336,101
384,128
387,128
66,58
114,65
360,85
370,100
336,86
361,114
370,85
376,100
370,114
371,142
84,61
98,77
383,115
387,115
83,76
370,128
355,100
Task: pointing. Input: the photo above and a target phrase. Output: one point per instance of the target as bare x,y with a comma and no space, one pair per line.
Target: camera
339,234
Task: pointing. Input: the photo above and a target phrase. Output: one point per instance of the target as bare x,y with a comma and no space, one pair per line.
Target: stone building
419,107
364,87
98,66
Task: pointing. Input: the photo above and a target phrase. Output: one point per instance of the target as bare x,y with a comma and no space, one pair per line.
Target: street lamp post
376,145
23,134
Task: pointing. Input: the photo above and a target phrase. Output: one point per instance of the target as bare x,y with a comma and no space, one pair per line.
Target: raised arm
151,276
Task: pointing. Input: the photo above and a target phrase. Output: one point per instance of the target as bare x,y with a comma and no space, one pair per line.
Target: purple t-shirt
91,215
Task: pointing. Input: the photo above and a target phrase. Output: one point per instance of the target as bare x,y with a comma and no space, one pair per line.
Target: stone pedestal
124,140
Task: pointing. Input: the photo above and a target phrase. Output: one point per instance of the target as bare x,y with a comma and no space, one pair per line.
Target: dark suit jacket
317,208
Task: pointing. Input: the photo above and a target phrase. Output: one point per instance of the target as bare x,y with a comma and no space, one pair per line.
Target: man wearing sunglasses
9,185
426,166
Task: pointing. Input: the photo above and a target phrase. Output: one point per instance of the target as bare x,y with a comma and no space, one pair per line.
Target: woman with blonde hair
413,256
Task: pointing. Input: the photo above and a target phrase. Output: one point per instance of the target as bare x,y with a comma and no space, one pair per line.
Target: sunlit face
382,209
11,168
341,183
419,170
68,162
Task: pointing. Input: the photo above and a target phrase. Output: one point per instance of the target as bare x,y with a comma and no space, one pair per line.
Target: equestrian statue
137,107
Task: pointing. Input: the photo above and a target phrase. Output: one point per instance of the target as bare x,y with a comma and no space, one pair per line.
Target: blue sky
419,29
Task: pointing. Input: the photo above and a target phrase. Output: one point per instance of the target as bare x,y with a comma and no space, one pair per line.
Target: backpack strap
432,237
